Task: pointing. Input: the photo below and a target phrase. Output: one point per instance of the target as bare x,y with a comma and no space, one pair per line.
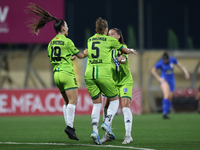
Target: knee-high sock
165,105
70,114
169,106
112,109
128,119
95,116
104,114
65,113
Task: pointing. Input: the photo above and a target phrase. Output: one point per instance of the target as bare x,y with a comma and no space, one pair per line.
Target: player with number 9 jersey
60,51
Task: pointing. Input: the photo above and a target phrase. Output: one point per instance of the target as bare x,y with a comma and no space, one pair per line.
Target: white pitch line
125,147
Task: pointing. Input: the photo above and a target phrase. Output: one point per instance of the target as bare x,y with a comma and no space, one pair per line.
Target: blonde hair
101,25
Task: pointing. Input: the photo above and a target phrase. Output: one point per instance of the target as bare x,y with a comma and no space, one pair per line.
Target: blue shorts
171,83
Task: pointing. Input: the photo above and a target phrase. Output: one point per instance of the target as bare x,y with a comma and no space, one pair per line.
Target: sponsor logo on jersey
96,61
58,42
168,72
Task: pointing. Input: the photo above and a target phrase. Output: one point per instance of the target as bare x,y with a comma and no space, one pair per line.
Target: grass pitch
181,132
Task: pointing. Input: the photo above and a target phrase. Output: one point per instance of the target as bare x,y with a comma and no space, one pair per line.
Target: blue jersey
167,70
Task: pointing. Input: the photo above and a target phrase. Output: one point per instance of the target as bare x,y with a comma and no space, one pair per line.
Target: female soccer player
167,79
98,77
60,50
123,80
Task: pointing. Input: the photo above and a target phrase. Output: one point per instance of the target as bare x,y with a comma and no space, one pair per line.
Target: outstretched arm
128,51
83,55
155,74
187,75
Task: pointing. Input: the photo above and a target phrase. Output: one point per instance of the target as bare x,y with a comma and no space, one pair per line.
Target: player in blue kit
167,79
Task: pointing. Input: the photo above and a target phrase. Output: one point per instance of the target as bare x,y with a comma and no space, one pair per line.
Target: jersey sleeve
115,44
125,55
174,60
158,65
72,48
49,50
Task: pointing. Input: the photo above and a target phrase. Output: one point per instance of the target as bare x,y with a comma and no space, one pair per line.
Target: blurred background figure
198,99
167,79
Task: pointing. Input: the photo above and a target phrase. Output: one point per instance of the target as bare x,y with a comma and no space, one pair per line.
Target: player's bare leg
72,96
166,93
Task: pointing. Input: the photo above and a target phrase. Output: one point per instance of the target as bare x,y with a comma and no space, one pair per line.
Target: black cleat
165,116
71,133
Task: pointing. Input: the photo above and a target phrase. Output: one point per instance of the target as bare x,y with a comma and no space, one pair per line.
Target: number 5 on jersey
95,48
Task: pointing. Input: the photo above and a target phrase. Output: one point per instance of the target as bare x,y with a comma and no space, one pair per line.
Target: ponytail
165,55
44,18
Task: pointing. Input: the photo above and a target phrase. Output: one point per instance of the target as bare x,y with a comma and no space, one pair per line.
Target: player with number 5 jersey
98,76
60,51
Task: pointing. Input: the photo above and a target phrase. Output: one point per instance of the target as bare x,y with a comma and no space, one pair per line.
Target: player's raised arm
128,51
187,75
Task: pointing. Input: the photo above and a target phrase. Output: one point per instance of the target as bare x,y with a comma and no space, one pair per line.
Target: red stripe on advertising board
38,102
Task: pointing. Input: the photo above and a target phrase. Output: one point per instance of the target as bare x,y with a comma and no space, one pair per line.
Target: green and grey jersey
121,73
99,56
60,50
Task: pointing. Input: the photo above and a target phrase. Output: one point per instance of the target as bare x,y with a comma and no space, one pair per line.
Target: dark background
182,16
